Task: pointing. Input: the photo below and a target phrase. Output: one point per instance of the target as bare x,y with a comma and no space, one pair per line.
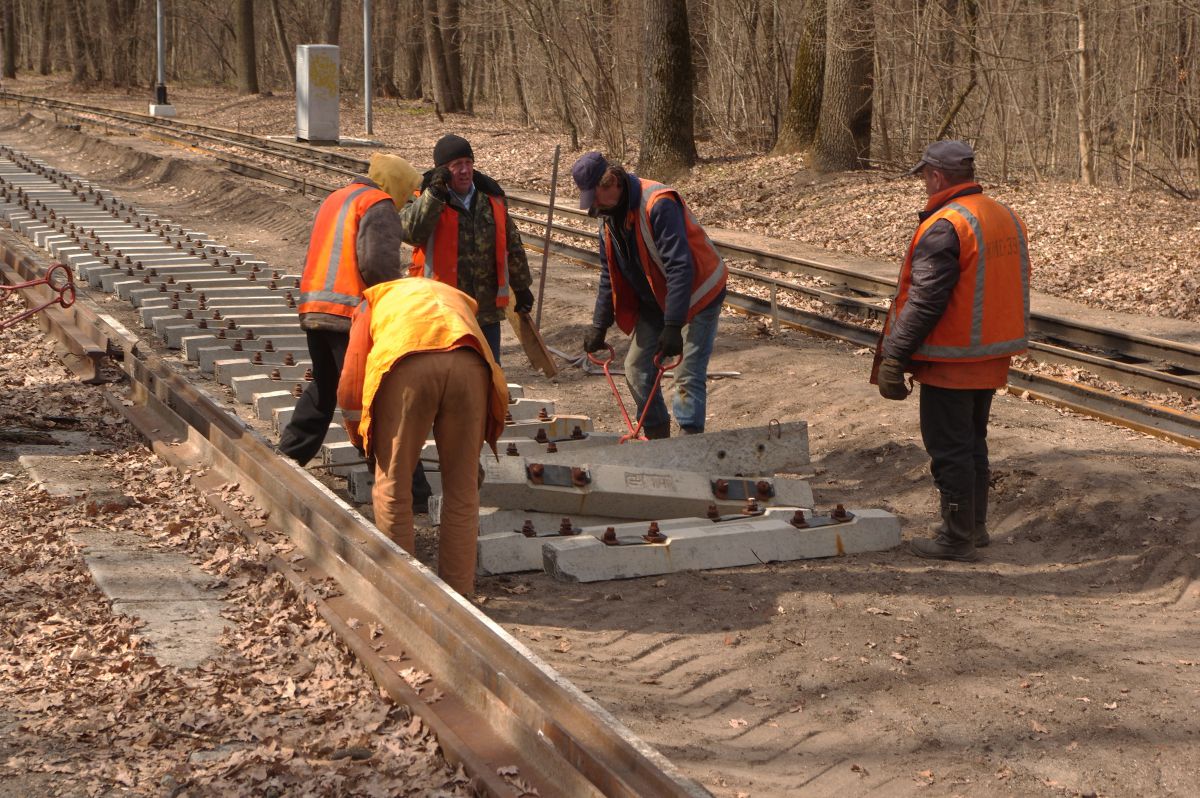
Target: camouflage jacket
476,242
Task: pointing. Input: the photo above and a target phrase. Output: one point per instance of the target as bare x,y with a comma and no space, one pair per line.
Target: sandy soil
1064,663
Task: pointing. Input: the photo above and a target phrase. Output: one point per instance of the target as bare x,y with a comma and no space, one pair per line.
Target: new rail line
495,708
834,301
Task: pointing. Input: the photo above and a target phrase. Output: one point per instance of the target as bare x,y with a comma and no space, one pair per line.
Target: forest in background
1094,91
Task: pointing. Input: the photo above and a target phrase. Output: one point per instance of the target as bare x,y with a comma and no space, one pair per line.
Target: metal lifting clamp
62,285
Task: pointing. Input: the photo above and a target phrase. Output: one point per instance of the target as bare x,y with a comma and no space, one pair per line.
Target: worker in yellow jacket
417,360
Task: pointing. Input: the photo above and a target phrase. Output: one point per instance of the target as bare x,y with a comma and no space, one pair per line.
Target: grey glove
439,183
670,341
892,384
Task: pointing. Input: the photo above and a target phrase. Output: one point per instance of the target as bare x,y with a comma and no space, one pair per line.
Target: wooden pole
537,319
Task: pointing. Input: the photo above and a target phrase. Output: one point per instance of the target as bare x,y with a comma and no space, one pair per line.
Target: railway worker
419,359
960,313
661,280
463,236
331,287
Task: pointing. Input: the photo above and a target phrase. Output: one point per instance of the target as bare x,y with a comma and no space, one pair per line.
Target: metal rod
367,55
537,319
160,90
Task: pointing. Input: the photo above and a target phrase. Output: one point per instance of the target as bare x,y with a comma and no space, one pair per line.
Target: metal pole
160,90
367,65
537,319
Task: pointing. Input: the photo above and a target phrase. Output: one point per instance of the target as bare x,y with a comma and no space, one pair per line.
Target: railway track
851,303
496,708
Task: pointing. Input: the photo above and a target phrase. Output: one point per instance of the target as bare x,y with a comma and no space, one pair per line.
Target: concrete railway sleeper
500,706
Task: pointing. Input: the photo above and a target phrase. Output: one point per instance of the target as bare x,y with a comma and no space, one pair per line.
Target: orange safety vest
402,318
988,313
331,282
708,270
438,258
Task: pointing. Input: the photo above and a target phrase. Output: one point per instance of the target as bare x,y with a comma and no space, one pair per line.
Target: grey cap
952,156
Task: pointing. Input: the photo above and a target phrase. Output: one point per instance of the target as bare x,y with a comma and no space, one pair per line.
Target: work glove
670,341
594,340
439,183
892,384
524,300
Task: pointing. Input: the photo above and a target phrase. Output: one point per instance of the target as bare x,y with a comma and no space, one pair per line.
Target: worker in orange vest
355,243
419,360
462,235
960,313
661,281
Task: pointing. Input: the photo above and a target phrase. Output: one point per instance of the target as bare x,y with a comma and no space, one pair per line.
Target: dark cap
950,156
451,148
587,172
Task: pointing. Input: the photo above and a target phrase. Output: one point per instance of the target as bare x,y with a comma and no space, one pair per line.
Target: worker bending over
661,280
418,360
960,313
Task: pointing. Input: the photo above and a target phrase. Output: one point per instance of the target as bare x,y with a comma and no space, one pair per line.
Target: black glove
594,340
670,341
892,384
439,183
524,300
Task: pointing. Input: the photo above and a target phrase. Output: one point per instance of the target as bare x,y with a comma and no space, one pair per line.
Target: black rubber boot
982,484
955,541
421,489
657,432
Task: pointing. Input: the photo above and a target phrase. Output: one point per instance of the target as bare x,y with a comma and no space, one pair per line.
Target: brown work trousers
448,392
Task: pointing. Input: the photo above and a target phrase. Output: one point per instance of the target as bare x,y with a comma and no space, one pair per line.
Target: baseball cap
951,155
587,172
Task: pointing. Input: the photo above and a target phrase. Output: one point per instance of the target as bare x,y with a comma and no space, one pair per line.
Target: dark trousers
954,429
304,434
492,333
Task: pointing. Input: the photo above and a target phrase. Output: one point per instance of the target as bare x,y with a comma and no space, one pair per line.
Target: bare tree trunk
438,75
48,11
10,40
808,75
247,61
515,69
385,72
449,16
77,45
331,25
668,141
843,136
1083,97
285,49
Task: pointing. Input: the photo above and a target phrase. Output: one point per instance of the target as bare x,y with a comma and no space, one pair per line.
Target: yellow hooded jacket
401,318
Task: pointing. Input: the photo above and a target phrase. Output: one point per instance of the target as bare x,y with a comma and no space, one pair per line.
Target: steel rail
502,705
1138,361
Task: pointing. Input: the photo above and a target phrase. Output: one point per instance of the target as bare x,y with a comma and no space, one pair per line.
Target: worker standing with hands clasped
960,313
418,359
661,280
463,236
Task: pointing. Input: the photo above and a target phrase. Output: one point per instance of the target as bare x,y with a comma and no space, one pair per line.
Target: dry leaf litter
84,706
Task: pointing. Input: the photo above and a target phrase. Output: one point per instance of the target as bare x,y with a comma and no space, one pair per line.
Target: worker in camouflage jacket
463,236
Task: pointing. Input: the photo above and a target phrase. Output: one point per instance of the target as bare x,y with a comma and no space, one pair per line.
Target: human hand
670,341
439,183
524,300
593,341
892,384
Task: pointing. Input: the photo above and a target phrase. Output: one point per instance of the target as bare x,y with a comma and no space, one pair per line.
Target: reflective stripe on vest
331,282
1003,299
438,258
708,269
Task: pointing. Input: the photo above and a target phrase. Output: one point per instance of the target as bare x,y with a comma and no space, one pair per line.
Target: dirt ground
1064,663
